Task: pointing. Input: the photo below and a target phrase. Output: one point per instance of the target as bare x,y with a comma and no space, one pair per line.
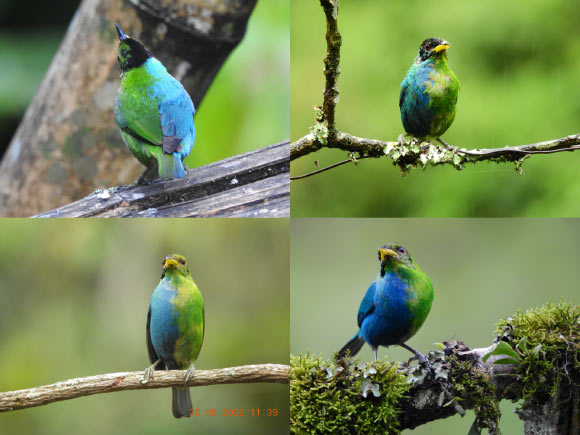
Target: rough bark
558,416
79,387
67,143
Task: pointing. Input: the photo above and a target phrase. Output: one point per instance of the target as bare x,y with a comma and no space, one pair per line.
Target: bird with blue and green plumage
395,305
175,327
153,111
429,93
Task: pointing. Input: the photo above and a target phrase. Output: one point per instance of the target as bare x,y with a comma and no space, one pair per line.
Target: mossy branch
79,387
410,155
535,359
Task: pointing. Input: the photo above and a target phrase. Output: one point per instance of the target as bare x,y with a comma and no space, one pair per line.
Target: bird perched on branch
154,112
175,327
429,93
395,305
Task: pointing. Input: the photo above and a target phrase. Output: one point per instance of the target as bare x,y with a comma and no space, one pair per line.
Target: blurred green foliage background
247,106
519,69
73,302
482,270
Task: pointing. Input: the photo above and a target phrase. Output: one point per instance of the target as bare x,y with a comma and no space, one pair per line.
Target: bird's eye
182,262
401,250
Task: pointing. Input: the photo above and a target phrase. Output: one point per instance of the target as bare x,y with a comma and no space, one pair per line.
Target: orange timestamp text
234,412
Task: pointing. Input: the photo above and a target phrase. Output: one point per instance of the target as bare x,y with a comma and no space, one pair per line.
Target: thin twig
79,387
299,177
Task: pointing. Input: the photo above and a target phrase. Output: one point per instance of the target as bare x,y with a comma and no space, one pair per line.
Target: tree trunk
67,143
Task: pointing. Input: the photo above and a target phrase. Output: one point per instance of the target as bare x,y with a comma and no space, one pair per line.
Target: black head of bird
131,53
432,48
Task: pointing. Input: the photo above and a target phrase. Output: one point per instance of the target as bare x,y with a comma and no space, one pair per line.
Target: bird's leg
149,370
422,358
446,145
375,352
148,175
190,372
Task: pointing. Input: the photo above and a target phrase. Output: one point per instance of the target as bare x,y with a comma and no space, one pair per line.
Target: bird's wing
367,305
203,318
402,96
152,354
143,125
404,87
176,117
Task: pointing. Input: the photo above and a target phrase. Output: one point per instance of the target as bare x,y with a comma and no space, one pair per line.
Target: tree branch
413,154
331,63
79,387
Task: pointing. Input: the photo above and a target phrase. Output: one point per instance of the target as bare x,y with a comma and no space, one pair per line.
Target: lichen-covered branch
535,359
413,154
79,387
331,64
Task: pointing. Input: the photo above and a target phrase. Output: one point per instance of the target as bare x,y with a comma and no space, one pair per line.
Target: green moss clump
474,386
328,398
548,341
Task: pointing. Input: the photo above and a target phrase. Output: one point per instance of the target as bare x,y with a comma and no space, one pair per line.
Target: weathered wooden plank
261,198
254,184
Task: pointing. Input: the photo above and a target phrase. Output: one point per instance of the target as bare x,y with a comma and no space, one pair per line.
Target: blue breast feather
390,321
414,101
163,327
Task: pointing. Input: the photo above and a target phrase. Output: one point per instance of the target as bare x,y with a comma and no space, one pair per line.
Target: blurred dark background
29,38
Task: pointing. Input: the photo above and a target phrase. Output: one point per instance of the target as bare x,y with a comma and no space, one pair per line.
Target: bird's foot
148,175
150,370
446,145
190,372
423,360
401,139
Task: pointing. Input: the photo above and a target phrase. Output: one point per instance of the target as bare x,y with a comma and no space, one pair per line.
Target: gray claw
190,372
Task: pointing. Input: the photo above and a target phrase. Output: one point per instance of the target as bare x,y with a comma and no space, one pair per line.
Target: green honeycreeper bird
429,93
175,327
154,112
395,305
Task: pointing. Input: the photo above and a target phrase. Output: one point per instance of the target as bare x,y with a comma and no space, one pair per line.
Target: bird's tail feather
181,402
170,166
354,345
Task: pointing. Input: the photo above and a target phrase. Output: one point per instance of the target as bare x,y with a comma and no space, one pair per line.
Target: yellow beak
170,262
441,47
387,253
